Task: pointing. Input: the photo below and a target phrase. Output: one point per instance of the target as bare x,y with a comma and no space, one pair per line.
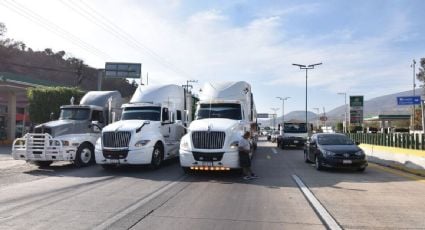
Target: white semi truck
73,136
224,112
150,128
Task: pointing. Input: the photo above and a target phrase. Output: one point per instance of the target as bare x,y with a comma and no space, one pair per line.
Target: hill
380,105
56,67
386,104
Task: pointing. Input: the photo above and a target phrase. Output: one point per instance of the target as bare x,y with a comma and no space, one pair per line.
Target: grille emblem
346,155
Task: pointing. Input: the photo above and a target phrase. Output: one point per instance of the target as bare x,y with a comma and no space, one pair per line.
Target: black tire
109,167
84,156
42,164
157,156
318,164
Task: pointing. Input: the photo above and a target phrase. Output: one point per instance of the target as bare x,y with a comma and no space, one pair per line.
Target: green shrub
46,100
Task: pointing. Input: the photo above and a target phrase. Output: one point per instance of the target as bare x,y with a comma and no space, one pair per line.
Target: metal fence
399,140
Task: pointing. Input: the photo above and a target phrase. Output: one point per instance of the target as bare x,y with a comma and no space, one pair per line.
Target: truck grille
208,140
116,139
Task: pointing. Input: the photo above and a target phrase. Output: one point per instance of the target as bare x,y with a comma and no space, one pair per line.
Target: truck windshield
294,128
151,113
225,110
74,114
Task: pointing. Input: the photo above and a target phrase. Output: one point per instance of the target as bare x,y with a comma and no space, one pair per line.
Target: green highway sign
122,70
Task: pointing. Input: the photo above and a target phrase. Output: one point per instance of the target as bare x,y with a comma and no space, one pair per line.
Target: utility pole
414,86
187,86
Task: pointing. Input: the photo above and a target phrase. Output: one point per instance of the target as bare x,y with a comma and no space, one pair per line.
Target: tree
421,75
46,100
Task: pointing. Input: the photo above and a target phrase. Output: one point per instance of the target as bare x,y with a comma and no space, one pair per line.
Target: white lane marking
137,205
324,215
274,151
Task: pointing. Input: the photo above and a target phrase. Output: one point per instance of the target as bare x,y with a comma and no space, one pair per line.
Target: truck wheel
42,164
84,155
157,155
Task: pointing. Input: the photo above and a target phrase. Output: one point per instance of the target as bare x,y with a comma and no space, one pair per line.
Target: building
14,117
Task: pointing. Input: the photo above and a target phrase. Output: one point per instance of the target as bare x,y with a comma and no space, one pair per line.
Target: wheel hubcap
85,156
156,155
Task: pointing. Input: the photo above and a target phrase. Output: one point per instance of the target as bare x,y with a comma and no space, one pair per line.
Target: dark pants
244,160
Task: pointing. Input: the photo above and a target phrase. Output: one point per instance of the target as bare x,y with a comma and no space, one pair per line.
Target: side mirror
357,143
95,125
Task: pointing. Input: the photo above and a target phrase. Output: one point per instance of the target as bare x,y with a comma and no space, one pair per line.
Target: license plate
207,163
114,161
347,161
295,142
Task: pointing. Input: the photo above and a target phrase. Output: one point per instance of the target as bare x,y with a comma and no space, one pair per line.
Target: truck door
166,127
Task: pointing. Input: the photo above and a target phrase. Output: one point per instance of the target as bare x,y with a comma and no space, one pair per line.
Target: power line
107,25
43,22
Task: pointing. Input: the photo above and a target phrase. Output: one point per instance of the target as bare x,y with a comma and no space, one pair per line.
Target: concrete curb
408,160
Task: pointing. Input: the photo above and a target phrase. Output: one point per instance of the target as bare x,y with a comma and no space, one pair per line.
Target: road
65,197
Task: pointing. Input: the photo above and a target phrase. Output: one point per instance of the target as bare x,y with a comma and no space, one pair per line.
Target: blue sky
366,46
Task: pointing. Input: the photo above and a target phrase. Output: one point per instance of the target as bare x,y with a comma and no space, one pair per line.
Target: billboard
356,110
122,70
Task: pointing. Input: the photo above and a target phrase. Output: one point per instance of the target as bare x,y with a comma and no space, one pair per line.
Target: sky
366,46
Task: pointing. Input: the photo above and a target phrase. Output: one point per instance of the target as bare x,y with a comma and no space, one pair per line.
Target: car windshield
151,113
294,128
74,114
334,140
225,110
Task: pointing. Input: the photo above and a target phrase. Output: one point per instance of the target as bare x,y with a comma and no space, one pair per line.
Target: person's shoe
247,178
254,176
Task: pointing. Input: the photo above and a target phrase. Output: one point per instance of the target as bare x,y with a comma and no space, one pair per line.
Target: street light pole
345,111
306,67
283,107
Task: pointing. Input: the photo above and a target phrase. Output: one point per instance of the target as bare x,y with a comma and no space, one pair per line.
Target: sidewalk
6,160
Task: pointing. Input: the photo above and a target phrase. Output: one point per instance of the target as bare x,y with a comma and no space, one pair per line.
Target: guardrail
398,140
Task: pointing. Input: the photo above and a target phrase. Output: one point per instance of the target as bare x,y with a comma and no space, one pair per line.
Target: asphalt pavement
65,197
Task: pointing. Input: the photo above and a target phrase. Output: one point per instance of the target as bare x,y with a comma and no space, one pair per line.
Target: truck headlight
142,143
234,144
20,142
